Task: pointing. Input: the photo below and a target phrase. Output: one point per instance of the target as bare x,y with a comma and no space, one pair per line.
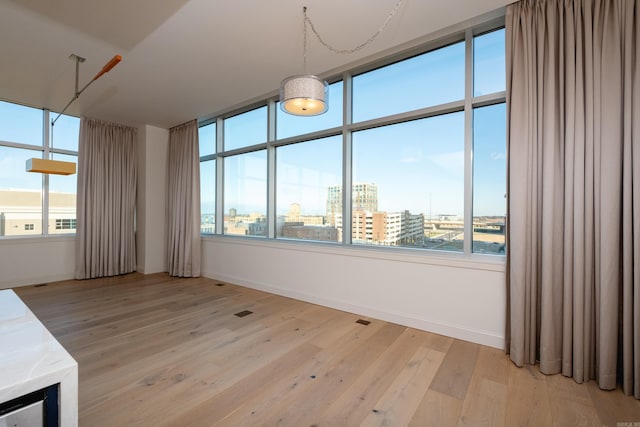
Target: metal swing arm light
56,166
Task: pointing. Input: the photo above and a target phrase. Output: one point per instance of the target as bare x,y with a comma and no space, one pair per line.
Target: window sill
417,256
18,240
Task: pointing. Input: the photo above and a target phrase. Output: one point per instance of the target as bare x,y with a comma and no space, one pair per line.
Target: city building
208,223
189,60
21,213
385,228
294,215
364,197
254,224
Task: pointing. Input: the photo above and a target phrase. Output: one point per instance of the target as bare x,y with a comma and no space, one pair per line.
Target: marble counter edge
53,366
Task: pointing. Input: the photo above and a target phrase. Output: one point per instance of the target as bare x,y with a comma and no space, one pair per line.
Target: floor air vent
243,313
363,322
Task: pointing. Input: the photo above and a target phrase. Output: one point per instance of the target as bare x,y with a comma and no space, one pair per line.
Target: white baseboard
455,331
36,280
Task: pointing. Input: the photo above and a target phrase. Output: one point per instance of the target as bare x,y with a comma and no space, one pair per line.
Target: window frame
46,151
466,105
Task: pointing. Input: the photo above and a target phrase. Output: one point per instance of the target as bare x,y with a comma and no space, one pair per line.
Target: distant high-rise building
334,203
364,197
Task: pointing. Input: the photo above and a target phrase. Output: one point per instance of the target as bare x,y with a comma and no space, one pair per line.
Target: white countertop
32,359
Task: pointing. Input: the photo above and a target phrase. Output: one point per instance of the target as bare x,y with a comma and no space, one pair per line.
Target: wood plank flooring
160,351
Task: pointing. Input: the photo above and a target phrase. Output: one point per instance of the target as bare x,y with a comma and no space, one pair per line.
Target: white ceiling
184,59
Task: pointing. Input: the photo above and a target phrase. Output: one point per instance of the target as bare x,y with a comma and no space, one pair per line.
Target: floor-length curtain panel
573,263
183,201
106,200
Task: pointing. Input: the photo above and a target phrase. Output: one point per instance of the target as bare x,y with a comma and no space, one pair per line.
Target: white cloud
452,161
411,155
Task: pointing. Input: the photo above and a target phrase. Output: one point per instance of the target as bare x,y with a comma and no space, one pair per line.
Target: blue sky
25,125
422,81
417,166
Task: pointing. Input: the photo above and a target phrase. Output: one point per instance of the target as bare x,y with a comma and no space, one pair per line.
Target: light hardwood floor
155,350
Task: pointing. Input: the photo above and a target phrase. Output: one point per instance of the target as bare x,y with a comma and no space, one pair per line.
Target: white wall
451,295
34,260
153,146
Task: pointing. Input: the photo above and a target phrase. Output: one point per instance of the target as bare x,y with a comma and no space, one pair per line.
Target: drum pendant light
308,95
304,95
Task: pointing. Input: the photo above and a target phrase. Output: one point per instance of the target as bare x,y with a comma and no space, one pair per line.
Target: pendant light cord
344,51
304,23
51,140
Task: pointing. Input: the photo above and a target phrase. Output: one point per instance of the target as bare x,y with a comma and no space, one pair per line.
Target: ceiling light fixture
58,167
306,94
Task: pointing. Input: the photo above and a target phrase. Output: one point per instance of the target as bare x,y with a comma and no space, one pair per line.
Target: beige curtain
574,188
183,201
107,168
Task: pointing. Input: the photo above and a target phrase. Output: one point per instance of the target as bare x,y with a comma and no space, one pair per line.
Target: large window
245,194
422,150
489,179
417,168
433,78
34,203
304,173
245,129
207,147
489,144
